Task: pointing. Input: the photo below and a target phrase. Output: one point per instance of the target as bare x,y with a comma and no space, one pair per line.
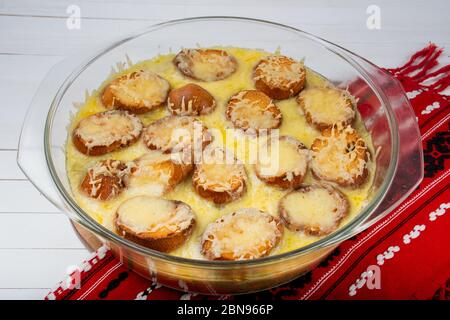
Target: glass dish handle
409,169
31,155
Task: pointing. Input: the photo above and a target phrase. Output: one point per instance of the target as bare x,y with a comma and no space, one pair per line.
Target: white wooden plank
13,194
31,230
9,168
32,268
23,294
19,79
30,35
309,12
50,36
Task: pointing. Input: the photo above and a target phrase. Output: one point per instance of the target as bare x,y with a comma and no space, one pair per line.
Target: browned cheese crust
293,158
325,107
205,64
254,110
245,234
279,77
105,132
169,223
218,181
340,155
316,210
137,92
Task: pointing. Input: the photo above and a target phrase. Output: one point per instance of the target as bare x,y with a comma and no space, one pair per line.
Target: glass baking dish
384,108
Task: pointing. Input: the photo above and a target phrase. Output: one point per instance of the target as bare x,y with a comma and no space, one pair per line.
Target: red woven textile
406,255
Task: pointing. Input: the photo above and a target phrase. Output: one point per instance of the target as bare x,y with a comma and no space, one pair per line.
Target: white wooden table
37,243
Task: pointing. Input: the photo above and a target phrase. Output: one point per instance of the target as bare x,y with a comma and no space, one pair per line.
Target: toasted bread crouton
105,132
155,223
316,210
253,109
285,164
106,179
220,177
190,100
205,64
245,234
173,134
340,155
325,107
157,173
279,77
137,92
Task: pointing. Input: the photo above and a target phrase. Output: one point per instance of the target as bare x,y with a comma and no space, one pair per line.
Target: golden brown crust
190,100
340,155
163,244
84,138
164,239
245,225
219,181
321,116
137,92
106,179
253,109
282,178
338,209
279,77
163,134
205,64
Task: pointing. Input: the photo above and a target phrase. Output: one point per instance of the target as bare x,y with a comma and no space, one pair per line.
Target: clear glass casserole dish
384,108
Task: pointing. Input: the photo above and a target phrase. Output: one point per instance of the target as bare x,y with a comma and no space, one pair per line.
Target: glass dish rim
340,234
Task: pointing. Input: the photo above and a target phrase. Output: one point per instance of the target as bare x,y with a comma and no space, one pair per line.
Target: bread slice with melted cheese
106,131
205,64
220,177
340,155
315,210
254,110
245,234
323,107
279,77
137,92
106,179
175,134
283,164
157,173
155,223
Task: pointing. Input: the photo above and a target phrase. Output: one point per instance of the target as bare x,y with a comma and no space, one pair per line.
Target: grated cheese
106,128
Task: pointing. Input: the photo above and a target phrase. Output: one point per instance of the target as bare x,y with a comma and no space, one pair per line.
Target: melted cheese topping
106,128
145,87
280,71
290,160
174,132
327,105
152,176
258,195
253,109
144,214
335,161
207,65
216,174
313,208
242,234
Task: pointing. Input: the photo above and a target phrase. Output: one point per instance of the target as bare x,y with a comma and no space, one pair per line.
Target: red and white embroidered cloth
410,246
